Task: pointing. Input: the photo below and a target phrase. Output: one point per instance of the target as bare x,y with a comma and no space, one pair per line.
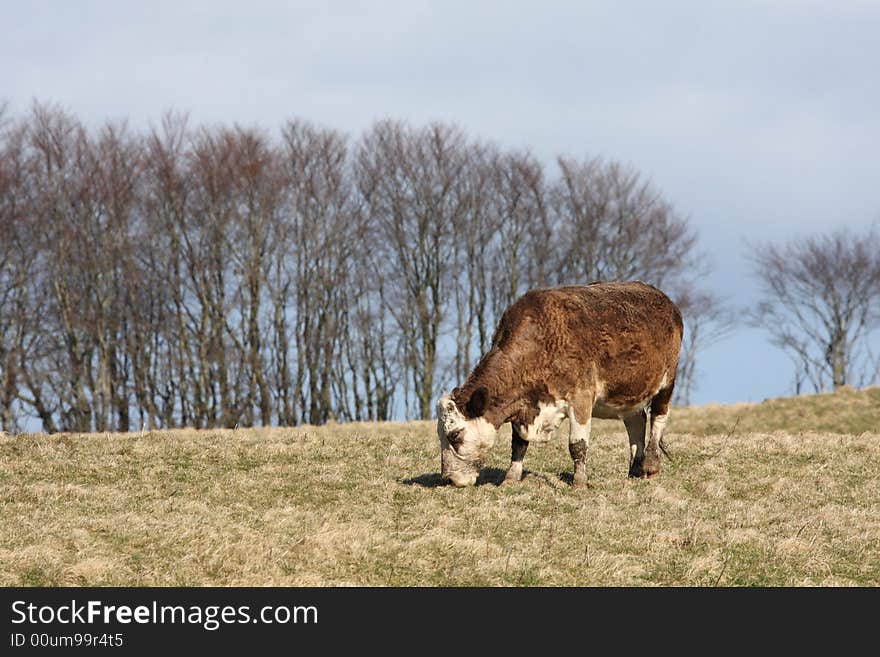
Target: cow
606,350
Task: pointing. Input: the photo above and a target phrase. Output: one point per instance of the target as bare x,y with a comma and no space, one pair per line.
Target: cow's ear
478,402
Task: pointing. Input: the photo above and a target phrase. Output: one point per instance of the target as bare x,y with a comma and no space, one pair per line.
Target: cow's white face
464,443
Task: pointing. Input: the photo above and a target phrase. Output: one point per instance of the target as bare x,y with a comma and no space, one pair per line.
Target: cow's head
464,441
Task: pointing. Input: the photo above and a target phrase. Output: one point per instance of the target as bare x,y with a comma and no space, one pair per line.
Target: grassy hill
779,493
847,411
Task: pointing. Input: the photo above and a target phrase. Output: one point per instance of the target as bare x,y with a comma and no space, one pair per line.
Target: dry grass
790,498
846,411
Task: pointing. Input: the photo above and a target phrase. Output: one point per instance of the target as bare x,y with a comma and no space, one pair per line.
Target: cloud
757,119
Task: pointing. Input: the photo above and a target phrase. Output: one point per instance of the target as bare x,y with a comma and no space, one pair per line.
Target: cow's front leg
635,429
518,447
578,440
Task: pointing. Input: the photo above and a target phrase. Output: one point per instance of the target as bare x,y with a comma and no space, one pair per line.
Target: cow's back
622,338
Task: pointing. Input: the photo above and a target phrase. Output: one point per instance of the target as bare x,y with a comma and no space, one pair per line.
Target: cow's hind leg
635,429
659,413
580,419
518,447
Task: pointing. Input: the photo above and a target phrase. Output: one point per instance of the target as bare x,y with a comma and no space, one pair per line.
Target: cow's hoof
514,474
579,481
651,468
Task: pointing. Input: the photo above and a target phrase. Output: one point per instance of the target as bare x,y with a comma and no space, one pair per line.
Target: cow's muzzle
456,470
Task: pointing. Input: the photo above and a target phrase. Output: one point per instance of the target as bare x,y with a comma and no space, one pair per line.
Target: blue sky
757,119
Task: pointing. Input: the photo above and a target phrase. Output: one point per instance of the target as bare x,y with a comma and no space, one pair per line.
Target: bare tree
412,184
257,186
820,300
471,267
169,383
73,285
611,224
116,160
519,204
371,346
326,230
18,263
85,194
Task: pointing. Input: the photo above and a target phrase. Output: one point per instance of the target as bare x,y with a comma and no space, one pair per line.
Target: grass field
786,492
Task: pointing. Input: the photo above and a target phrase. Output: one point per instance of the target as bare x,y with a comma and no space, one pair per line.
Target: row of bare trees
194,276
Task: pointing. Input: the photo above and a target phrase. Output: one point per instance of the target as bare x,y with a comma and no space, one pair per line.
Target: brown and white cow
606,350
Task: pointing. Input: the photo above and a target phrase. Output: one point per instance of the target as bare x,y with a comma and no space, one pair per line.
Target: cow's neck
505,410
509,396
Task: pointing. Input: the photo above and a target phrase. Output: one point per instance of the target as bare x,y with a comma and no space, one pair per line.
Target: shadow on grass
491,476
427,480
433,479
